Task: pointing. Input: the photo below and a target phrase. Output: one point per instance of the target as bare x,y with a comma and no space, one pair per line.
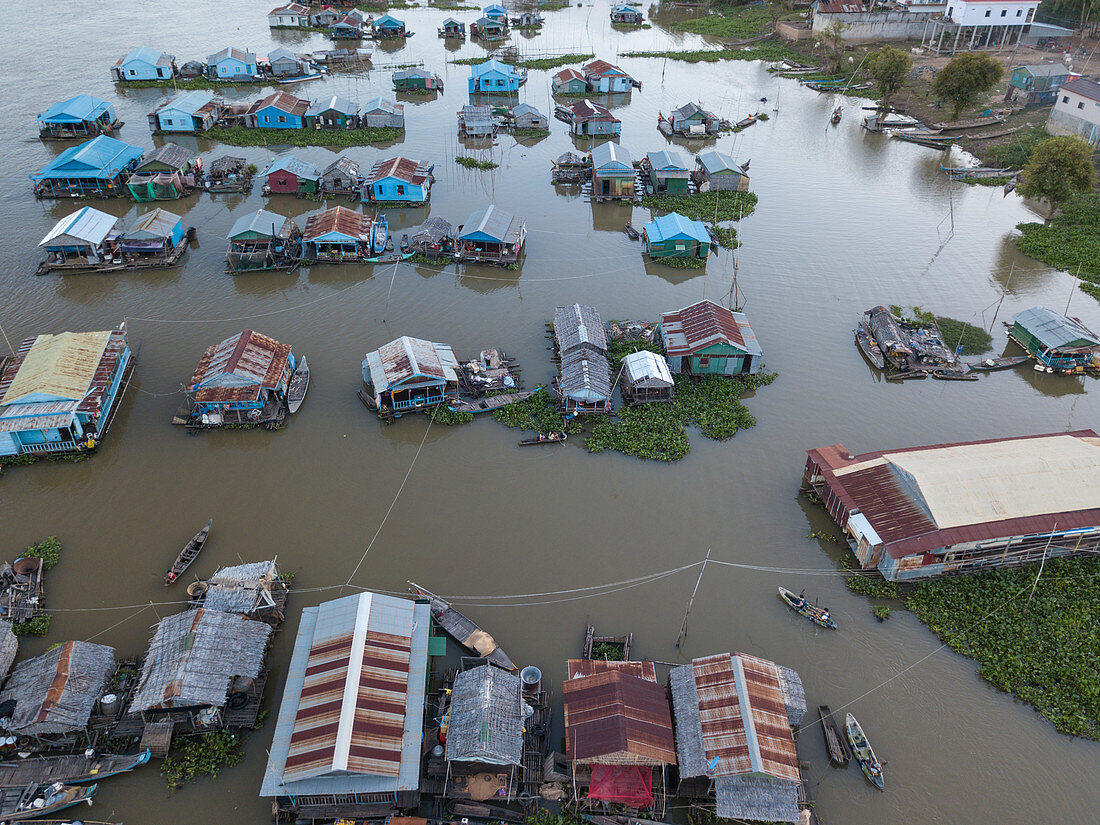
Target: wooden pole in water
1076,278
687,612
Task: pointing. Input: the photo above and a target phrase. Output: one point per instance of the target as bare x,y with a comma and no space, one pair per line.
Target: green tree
889,67
965,78
832,38
1059,169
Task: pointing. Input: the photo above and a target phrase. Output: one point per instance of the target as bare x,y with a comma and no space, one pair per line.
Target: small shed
55,693
646,377
569,82
398,180
247,371
262,240
346,28
232,63
80,116
492,235
332,113
674,236
410,374
279,110
285,63
718,172
194,658
588,118
193,111
668,174
433,237
708,339
380,113
623,14
485,719
341,176
97,167
1037,84
85,234
476,121
526,116
1054,339
336,235
693,119
527,20
487,28
605,77
495,11
144,63
388,26
416,80
494,77
584,385
290,175
613,173
171,157
253,590
452,28
154,235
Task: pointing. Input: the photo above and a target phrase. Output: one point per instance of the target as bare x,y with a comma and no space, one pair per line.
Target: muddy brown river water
846,220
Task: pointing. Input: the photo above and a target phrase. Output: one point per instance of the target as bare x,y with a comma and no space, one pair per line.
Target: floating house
497,12
55,693
60,392
432,238
82,116
380,113
476,121
410,374
1057,341
668,174
284,63
228,174
708,339
291,176
492,76
341,177
584,386
165,175
232,64
691,120
527,117
588,118
388,26
171,157
569,82
337,235
674,236
646,377
486,28
325,17
613,173
527,20
191,112
485,731
279,110
491,235
346,28
241,380
623,14
96,168
734,717
84,237
195,660
263,240
919,512
579,327
618,732
604,77
254,590
452,28
717,172
413,80
1036,84
290,16
349,730
145,64
332,113
398,180
156,238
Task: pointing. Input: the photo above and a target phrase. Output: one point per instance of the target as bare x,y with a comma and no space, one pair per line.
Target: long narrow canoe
835,741
17,804
74,769
817,615
863,752
869,347
464,631
299,383
188,554
991,364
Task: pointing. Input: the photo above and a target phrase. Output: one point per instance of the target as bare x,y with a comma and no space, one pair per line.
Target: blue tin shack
190,112
494,76
144,63
82,116
278,111
232,63
243,379
98,167
398,180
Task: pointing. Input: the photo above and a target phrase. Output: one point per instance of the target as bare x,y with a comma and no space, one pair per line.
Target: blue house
398,180
84,237
278,111
232,64
245,373
674,236
97,167
145,64
494,76
495,11
154,237
605,77
388,26
190,112
60,392
78,117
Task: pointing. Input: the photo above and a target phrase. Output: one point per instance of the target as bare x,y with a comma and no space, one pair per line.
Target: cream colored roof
60,366
976,483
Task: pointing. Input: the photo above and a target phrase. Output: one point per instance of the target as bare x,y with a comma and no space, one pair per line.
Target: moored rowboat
869,347
545,438
991,364
188,554
464,631
835,741
863,752
70,769
299,384
817,615
18,804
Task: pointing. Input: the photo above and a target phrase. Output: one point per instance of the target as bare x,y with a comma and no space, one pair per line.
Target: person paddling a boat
800,602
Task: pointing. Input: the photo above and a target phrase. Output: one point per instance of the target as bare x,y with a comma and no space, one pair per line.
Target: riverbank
1071,242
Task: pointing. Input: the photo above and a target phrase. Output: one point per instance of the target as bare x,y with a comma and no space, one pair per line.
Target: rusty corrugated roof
588,667
613,718
338,219
402,168
770,725
313,743
256,358
702,325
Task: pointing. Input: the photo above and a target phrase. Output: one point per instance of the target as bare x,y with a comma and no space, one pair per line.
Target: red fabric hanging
629,784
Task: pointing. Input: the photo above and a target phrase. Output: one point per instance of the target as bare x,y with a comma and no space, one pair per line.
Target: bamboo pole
687,612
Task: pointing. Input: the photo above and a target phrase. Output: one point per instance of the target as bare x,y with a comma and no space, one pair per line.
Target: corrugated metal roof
610,156
526,109
75,110
500,226
283,101
189,102
485,718
340,221
703,324
154,57
585,110
405,169
101,157
281,53
242,55
25,422
1044,69
1053,330
86,224
645,367
297,167
612,718
1084,87
602,67
689,109
62,366
406,358
260,222
714,162
565,75
589,667
239,368
579,325
666,161
343,166
334,103
478,69
675,226
380,104
160,223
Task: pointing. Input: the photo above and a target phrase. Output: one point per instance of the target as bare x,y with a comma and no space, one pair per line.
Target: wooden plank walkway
494,402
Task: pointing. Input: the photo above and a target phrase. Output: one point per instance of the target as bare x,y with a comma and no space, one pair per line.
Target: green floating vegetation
202,756
475,163
533,63
537,412
765,51
240,136
1016,153
974,340
881,612
449,418
872,585
1043,648
189,83
727,236
49,550
998,180
1071,241
684,262
732,23
705,206
607,652
36,625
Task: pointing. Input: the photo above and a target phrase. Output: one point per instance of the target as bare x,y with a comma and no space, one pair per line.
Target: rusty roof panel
720,715
702,325
614,718
589,667
313,743
259,361
379,721
338,219
402,168
774,740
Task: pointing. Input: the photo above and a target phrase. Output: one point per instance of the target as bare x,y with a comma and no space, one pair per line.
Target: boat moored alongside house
1056,341
97,168
144,63
78,117
675,236
191,112
233,64
290,175
263,240
491,235
407,375
705,338
398,181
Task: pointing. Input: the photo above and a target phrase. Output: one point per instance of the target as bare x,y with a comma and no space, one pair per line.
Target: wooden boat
992,364
545,438
995,134
188,554
71,769
468,809
869,347
464,631
817,615
300,78
953,375
748,121
906,375
836,743
631,232
965,173
299,383
837,114
18,804
862,751
379,235
931,139
963,125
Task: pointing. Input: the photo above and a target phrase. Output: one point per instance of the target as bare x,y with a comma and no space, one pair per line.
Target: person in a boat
800,602
825,615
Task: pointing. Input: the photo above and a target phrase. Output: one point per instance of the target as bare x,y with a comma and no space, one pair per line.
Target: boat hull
863,752
299,385
814,614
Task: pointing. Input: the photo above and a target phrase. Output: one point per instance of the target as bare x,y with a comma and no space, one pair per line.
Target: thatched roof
9,646
486,717
195,655
756,798
243,588
55,692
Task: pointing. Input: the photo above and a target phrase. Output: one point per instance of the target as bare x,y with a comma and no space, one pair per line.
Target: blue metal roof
388,21
189,102
611,155
675,226
493,66
101,157
494,7
144,54
75,110
1055,331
